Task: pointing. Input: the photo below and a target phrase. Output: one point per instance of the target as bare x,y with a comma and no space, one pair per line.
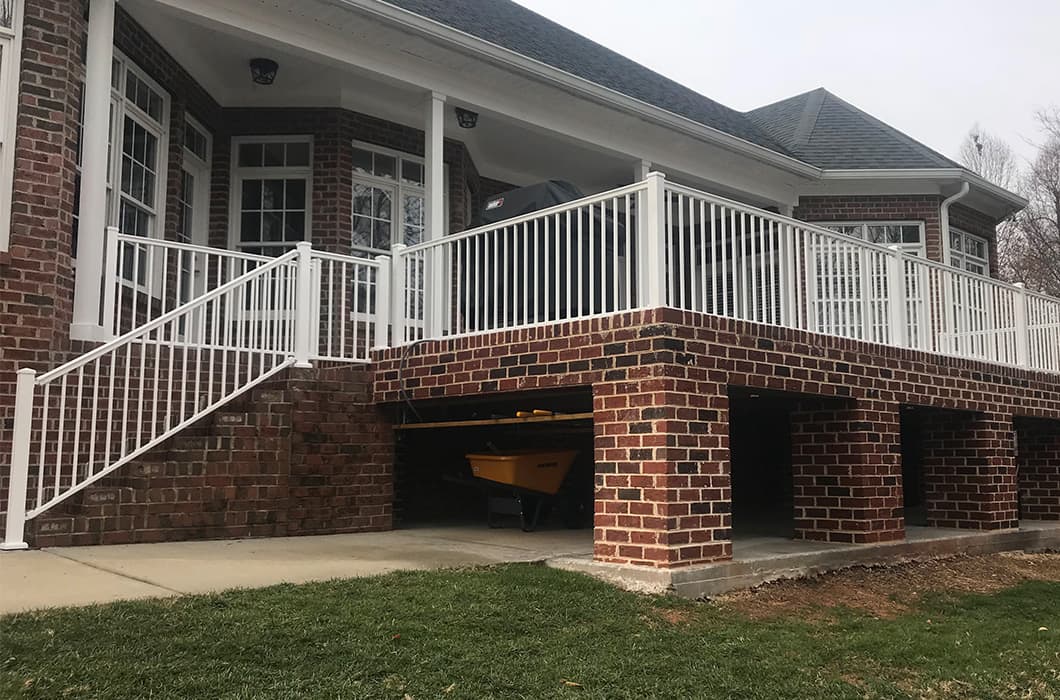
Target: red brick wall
342,455
304,454
36,274
677,365
1038,464
847,466
969,470
980,224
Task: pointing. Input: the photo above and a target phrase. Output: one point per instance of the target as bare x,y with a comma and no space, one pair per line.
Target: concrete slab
39,579
763,559
81,575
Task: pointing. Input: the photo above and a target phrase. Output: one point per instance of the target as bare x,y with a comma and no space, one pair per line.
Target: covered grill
553,267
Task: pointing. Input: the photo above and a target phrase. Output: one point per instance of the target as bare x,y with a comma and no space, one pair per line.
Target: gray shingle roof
519,29
816,127
823,130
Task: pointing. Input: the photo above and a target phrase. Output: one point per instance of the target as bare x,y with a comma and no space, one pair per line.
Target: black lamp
466,118
263,70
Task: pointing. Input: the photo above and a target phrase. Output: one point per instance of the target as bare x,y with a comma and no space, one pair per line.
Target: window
271,181
907,235
844,269
969,252
10,40
194,196
388,199
139,135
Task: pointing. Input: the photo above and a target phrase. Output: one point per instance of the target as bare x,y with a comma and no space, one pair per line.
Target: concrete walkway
64,576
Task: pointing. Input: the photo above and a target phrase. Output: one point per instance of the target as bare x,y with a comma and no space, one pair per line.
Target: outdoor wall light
263,70
466,118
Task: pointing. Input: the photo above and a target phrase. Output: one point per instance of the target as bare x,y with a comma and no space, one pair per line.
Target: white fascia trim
572,83
1015,201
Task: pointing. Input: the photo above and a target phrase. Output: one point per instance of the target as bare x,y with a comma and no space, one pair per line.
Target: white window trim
202,171
920,248
965,257
124,107
399,186
277,173
9,98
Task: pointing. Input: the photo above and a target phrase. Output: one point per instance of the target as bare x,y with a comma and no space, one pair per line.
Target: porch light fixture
263,70
466,118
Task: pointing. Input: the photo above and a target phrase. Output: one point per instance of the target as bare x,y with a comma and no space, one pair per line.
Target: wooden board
558,418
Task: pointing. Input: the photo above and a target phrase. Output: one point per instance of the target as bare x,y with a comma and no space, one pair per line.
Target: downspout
944,220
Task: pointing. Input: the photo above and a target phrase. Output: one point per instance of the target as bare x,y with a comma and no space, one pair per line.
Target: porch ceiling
501,147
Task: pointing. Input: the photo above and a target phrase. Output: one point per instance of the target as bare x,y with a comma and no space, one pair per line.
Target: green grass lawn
525,631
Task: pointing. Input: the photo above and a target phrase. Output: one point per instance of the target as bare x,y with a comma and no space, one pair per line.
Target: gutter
944,219
510,59
965,176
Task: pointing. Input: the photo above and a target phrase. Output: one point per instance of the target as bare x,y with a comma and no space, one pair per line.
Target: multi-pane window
850,285
907,235
272,184
10,30
139,134
194,197
388,199
969,252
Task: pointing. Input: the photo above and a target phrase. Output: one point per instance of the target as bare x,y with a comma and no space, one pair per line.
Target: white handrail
88,417
163,319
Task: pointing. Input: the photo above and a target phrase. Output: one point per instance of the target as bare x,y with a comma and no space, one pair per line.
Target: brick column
846,462
1038,463
970,470
663,497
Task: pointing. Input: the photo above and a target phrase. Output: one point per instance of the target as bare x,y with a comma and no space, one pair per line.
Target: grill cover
529,199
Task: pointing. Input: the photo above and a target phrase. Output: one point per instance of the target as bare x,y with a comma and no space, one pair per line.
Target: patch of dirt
888,591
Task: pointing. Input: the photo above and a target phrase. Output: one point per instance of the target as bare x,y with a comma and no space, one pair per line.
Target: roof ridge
811,111
884,126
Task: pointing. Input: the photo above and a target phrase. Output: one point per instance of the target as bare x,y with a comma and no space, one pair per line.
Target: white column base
13,546
90,332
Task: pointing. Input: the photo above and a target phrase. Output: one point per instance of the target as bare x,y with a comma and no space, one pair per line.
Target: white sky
930,68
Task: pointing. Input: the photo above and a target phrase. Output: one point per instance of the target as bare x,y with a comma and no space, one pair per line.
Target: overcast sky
930,68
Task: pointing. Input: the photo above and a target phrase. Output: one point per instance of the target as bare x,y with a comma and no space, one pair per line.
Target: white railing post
303,306
1023,333
398,294
110,281
896,298
15,529
652,243
382,303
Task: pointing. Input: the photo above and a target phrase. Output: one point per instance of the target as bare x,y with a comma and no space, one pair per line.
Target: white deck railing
657,244
570,261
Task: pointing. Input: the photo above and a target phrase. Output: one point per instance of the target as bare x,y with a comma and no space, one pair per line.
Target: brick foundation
848,473
660,378
969,464
1038,461
305,454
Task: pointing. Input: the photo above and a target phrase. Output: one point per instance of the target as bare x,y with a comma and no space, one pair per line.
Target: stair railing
83,420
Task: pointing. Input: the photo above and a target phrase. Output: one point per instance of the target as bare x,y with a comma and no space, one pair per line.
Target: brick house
243,264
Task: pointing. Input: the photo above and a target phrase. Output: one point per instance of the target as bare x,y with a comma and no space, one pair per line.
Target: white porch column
641,170
434,212
92,209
